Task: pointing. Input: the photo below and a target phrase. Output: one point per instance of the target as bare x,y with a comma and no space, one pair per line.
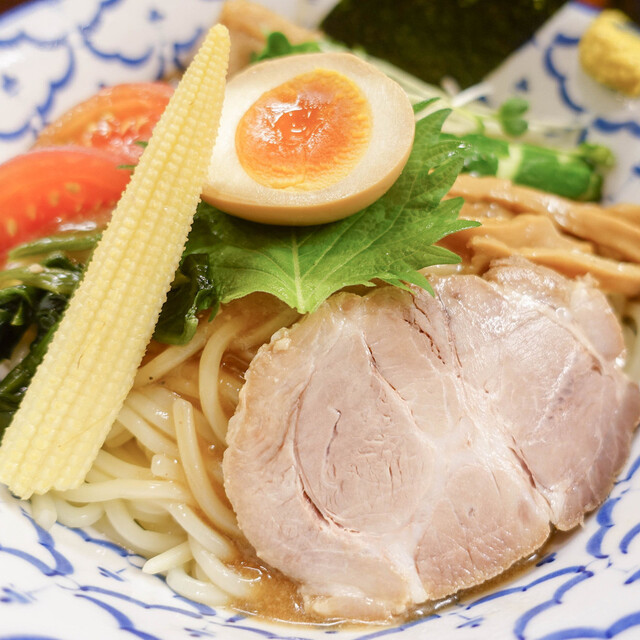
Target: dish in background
71,584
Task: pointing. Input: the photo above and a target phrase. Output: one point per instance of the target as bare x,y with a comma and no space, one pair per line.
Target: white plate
73,585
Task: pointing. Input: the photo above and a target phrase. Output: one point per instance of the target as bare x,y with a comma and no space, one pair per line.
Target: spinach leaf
16,315
53,279
41,289
31,306
36,303
191,293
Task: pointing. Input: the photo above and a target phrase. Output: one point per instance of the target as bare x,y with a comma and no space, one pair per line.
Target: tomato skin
45,188
114,119
72,175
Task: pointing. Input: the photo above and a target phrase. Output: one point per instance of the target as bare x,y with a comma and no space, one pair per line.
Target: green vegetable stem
573,174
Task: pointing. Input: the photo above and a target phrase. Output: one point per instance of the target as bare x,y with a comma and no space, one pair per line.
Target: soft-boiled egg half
308,139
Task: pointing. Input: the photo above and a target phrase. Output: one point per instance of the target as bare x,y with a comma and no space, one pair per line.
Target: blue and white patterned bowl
72,584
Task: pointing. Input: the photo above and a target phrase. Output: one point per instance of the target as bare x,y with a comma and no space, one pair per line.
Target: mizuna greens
227,258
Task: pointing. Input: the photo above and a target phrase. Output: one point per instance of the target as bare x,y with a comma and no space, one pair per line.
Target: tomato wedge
114,119
43,189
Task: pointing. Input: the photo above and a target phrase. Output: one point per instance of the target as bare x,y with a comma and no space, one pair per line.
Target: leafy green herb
227,258
423,104
35,304
39,305
21,305
45,312
56,280
191,293
389,240
56,274
597,155
278,45
16,314
510,116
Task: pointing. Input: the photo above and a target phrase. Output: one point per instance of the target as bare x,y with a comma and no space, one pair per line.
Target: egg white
230,188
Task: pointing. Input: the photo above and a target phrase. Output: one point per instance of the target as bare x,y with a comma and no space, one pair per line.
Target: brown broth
278,600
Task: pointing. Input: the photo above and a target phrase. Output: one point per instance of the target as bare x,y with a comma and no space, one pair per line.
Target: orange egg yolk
305,134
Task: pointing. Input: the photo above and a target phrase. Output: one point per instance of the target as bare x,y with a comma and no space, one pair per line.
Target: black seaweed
464,39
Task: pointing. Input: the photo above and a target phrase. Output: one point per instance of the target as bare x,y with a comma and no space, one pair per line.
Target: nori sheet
464,39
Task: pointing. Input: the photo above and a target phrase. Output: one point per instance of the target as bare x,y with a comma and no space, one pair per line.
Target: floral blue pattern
74,584
547,72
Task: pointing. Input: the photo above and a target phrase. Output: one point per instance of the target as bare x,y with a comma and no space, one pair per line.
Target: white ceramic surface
73,585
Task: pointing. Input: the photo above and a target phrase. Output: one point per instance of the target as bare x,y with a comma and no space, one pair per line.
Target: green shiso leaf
389,240
227,258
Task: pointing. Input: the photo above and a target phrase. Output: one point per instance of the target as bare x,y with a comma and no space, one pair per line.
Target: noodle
209,538
165,561
184,380
219,573
165,398
209,371
72,516
118,436
118,468
142,540
157,485
44,510
197,478
129,489
171,357
146,434
155,410
167,468
195,589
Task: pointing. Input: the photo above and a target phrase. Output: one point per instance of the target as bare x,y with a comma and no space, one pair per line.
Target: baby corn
89,368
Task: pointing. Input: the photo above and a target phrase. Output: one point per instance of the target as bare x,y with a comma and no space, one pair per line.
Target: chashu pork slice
569,412
398,447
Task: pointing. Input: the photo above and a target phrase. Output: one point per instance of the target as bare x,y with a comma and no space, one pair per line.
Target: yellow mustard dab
610,52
